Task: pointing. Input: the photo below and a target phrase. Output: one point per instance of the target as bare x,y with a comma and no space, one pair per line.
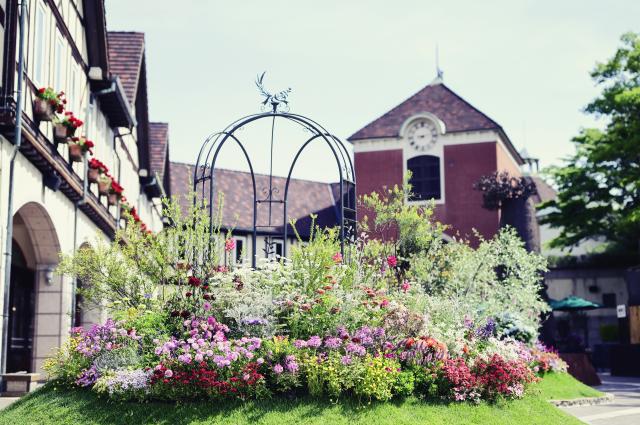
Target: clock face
422,135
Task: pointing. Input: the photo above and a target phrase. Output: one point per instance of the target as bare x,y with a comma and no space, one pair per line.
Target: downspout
12,161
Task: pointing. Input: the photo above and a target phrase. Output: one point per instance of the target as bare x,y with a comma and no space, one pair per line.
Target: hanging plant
48,102
498,188
65,127
104,183
96,168
78,146
115,192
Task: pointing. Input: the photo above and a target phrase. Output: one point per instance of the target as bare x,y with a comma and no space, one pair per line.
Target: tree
599,185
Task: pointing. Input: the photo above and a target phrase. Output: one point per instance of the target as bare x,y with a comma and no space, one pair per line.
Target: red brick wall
464,164
377,169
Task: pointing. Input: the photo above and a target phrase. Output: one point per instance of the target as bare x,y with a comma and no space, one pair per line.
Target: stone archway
37,241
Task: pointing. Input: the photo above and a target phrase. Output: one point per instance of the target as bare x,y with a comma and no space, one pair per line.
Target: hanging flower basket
96,169
112,198
92,175
60,133
65,127
115,193
104,183
42,110
76,153
46,103
78,146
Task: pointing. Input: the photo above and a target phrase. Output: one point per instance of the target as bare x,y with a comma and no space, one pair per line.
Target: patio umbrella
573,303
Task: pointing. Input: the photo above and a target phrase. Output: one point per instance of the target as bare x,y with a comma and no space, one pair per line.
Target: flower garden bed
413,318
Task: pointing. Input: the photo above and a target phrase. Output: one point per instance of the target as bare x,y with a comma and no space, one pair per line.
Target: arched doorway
21,313
37,310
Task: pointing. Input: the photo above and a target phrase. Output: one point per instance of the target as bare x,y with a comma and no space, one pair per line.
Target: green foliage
599,185
66,364
136,269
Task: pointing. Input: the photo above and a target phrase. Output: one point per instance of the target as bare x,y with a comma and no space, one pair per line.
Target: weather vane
276,100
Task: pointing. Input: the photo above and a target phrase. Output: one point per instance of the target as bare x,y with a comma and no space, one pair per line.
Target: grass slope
52,406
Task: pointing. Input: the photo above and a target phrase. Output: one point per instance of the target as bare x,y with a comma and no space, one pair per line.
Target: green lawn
49,406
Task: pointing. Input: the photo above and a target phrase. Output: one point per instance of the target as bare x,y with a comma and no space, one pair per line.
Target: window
41,39
239,250
59,78
425,177
609,300
273,248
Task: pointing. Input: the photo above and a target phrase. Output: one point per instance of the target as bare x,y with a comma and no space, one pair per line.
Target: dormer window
425,177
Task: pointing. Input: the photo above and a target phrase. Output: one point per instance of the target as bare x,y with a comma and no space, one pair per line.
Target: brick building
447,144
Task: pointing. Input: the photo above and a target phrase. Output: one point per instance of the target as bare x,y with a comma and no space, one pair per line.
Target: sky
523,63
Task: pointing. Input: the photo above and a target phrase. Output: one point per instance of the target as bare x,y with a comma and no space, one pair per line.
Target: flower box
112,198
60,133
76,153
93,174
104,184
42,110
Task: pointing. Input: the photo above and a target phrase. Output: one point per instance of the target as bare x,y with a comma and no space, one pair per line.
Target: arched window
425,177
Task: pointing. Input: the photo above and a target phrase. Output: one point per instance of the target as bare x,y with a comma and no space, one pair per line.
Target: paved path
623,410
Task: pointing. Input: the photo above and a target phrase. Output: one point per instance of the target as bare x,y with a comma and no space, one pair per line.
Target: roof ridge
256,174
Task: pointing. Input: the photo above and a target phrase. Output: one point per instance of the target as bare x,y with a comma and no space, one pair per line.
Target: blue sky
524,63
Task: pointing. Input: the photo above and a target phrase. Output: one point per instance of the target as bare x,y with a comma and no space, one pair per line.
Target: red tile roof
126,51
158,147
456,113
305,198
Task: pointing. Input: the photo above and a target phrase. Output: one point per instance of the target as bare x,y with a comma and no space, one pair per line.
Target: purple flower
314,342
206,306
357,349
345,360
278,369
88,377
291,365
333,343
298,343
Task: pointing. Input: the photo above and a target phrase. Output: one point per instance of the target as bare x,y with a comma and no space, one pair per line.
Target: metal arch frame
208,155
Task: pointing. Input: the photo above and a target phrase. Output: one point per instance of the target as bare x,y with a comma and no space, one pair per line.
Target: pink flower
405,286
392,261
206,306
337,258
229,244
168,373
278,369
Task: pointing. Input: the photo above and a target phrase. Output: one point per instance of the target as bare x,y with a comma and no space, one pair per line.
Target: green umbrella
573,303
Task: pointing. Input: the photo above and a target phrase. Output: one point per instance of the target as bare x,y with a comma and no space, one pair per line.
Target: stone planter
20,383
75,152
60,133
92,175
104,186
42,110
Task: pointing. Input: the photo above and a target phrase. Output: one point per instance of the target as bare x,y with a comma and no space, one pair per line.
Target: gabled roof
159,150
126,52
438,99
305,198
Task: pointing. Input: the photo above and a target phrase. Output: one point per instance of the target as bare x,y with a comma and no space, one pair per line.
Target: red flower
392,261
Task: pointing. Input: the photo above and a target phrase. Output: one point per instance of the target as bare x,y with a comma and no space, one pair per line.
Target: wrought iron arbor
205,169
